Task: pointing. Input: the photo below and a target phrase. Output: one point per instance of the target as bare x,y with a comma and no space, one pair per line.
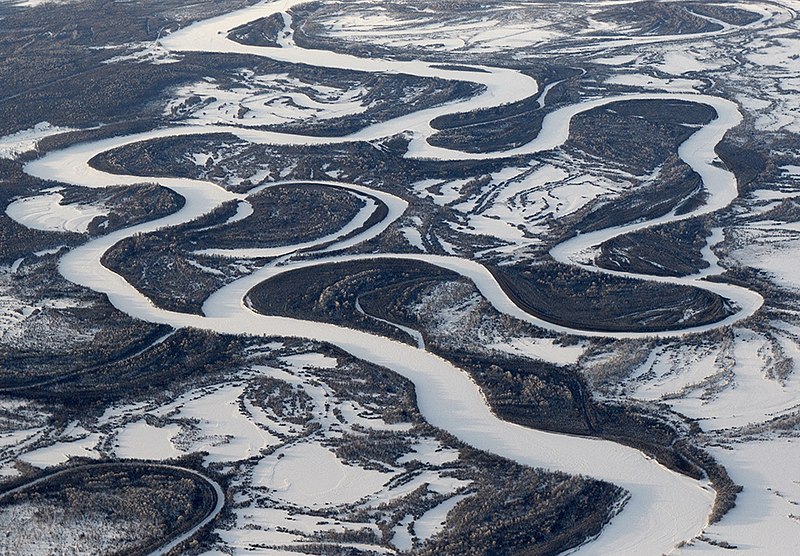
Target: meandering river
664,507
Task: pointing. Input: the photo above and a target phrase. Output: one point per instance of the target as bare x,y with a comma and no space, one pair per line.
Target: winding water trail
664,507
219,496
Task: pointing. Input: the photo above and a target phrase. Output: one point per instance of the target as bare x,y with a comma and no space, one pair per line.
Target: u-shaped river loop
664,507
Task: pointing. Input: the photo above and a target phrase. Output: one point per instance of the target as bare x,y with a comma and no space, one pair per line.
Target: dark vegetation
165,157
158,502
285,215
42,366
734,15
115,359
171,278
748,165
677,187
762,282
53,73
288,403
186,354
310,34
657,129
514,510
638,135
786,210
261,32
371,386
669,250
130,205
511,509
570,296
501,128
726,489
533,394
387,288
122,93
331,292
458,67
378,164
68,332
101,93
164,266
548,397
235,158
491,521
127,206
388,96
658,18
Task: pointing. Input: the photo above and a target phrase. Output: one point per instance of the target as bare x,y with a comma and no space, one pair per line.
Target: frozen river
664,508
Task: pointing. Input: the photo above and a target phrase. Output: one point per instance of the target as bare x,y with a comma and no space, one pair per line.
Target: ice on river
46,212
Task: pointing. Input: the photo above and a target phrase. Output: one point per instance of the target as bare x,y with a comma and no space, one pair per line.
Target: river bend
664,507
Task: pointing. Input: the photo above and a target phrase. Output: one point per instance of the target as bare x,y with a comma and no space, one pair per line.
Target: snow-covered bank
664,509
46,212
26,140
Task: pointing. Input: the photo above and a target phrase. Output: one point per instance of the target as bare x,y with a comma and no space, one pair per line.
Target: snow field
767,516
15,144
664,508
271,99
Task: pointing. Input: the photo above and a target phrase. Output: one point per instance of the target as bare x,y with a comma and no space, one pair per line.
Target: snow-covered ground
310,475
26,140
85,535
518,203
771,248
17,310
766,517
293,463
762,70
264,100
679,500
33,3
722,386
144,52
466,413
513,29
